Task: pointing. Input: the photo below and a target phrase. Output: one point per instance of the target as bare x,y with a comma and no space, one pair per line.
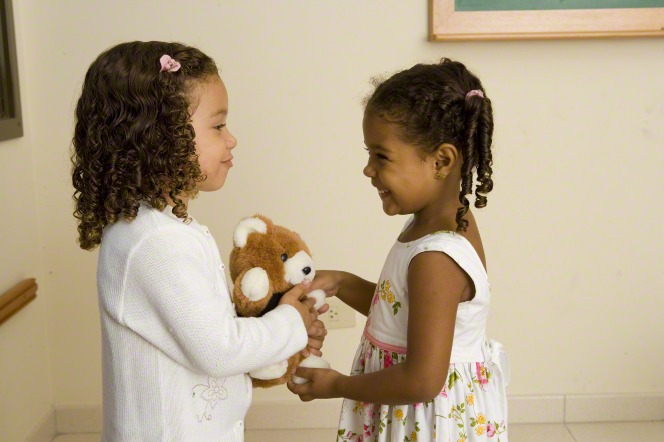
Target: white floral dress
472,405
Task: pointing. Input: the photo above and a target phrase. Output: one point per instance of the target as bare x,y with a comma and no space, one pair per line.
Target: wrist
338,385
341,279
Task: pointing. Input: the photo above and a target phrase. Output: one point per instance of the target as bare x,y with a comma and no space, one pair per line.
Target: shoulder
457,257
436,256
151,232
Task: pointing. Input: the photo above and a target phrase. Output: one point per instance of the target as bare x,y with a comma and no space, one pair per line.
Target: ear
246,227
445,158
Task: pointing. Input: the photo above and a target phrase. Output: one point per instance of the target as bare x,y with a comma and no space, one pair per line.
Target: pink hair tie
475,92
168,64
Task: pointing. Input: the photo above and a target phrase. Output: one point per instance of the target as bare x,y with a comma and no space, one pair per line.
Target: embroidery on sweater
206,397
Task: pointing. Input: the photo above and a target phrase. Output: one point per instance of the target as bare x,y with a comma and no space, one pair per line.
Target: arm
351,289
435,287
171,301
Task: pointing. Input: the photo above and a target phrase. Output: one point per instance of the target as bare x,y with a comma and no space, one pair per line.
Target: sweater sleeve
170,299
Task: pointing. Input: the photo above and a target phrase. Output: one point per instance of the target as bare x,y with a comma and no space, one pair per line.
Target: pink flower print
360,438
362,362
370,411
418,405
368,430
443,392
375,298
491,429
481,374
388,360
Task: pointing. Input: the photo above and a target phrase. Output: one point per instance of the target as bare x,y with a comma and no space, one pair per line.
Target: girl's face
214,141
406,183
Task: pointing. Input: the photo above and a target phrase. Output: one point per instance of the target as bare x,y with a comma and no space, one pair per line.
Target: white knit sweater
174,353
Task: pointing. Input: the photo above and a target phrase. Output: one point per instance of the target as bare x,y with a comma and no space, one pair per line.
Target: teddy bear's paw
273,371
255,284
311,361
319,296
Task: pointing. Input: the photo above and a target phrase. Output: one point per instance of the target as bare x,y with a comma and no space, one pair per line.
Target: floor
597,432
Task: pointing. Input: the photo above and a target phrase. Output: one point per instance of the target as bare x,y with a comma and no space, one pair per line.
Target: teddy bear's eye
284,257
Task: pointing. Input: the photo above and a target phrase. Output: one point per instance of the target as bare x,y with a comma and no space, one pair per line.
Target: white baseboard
280,415
44,430
614,408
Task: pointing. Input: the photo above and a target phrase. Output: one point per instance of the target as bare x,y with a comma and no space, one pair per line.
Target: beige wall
25,377
572,231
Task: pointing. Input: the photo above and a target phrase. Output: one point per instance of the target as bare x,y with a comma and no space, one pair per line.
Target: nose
306,270
368,171
231,142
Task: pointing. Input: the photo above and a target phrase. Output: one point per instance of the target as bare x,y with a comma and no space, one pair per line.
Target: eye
380,156
220,127
284,257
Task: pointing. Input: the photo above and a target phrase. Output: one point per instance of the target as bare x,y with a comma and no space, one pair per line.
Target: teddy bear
268,260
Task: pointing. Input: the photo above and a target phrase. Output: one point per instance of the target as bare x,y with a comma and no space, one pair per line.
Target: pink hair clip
475,92
168,64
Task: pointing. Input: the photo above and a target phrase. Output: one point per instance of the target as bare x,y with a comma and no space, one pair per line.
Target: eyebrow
219,112
377,147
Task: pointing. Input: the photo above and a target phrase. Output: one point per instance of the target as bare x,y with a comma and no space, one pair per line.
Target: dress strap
462,252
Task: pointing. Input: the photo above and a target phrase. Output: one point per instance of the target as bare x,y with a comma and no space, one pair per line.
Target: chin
391,211
212,186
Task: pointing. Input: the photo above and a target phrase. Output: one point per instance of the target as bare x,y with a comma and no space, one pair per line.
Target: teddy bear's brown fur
260,244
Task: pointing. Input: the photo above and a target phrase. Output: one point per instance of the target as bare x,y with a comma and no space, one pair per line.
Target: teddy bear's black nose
306,270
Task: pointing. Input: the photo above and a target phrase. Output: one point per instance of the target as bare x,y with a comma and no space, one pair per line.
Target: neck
440,214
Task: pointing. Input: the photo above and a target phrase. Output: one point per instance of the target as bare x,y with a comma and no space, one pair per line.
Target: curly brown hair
428,103
133,139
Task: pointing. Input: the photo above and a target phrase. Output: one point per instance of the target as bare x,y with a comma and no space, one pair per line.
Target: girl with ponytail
424,369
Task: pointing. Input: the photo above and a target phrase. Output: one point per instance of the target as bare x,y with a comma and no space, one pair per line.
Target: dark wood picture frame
11,124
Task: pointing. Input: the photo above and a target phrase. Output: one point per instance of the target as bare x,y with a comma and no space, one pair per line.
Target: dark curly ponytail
431,105
133,139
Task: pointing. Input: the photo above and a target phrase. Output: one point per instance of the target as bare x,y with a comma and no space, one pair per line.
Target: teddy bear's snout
299,267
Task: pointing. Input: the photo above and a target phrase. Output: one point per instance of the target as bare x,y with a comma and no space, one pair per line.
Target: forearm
356,292
396,385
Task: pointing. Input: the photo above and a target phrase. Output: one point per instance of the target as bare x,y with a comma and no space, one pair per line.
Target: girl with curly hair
424,369
150,133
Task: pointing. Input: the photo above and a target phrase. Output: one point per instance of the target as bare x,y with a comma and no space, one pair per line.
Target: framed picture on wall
10,103
540,19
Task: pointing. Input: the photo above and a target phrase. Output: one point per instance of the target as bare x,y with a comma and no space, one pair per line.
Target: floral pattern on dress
384,292
455,414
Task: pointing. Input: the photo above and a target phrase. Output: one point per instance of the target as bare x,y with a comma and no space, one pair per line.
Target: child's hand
321,383
316,334
305,308
327,280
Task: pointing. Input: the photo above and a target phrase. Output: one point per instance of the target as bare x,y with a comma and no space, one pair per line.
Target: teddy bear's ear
245,227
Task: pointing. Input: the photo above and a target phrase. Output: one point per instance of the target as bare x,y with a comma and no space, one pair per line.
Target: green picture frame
11,125
501,22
